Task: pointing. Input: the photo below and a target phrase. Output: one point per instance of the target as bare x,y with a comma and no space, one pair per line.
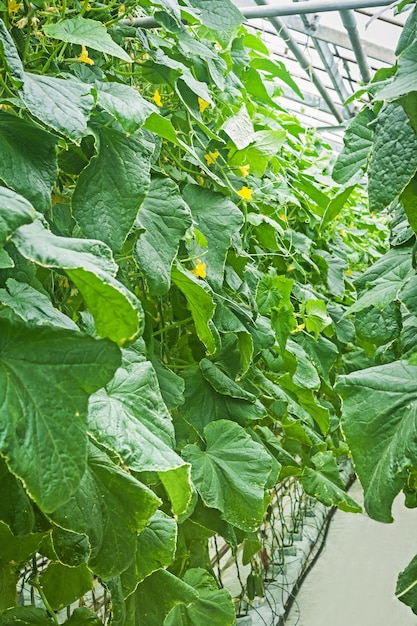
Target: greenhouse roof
330,51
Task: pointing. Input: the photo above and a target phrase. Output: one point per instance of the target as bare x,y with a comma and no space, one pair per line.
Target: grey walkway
353,581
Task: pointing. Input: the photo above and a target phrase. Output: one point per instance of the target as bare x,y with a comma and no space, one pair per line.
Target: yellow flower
202,104
200,269
283,217
13,7
298,329
351,225
343,232
211,157
201,181
84,58
157,98
348,272
245,193
244,170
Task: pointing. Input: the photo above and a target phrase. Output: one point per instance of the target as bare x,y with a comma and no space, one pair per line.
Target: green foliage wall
379,399
175,269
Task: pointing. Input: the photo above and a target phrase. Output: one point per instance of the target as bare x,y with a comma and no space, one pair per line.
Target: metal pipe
328,61
285,34
349,22
285,8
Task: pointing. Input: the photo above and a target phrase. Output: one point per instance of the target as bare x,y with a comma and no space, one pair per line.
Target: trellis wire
291,515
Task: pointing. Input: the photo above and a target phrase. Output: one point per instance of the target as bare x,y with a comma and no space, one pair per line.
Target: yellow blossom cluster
211,157
245,193
157,98
13,7
200,269
202,104
84,58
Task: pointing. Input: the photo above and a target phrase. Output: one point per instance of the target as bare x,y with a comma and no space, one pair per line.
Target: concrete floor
353,581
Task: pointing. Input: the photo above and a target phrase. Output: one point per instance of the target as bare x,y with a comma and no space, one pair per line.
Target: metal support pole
282,9
328,61
349,22
285,34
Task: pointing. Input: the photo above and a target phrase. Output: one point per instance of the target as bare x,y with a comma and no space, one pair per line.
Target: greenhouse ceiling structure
331,48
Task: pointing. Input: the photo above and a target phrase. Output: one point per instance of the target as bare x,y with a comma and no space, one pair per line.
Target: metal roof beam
285,8
338,38
329,64
332,70
310,6
349,22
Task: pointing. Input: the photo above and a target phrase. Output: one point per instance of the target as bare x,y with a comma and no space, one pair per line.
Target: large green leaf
380,422
121,506
10,54
323,482
316,316
305,373
271,66
222,383
17,509
63,585
379,326
43,422
14,212
8,585
70,548
83,617
357,147
405,79
219,219
156,546
86,32
203,404
130,417
212,601
265,145
112,187
170,384
117,313
240,129
155,597
28,159
231,473
219,15
17,549
385,280
64,105
406,590
177,484
33,307
200,303
25,616
165,218
273,298
394,157
126,104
